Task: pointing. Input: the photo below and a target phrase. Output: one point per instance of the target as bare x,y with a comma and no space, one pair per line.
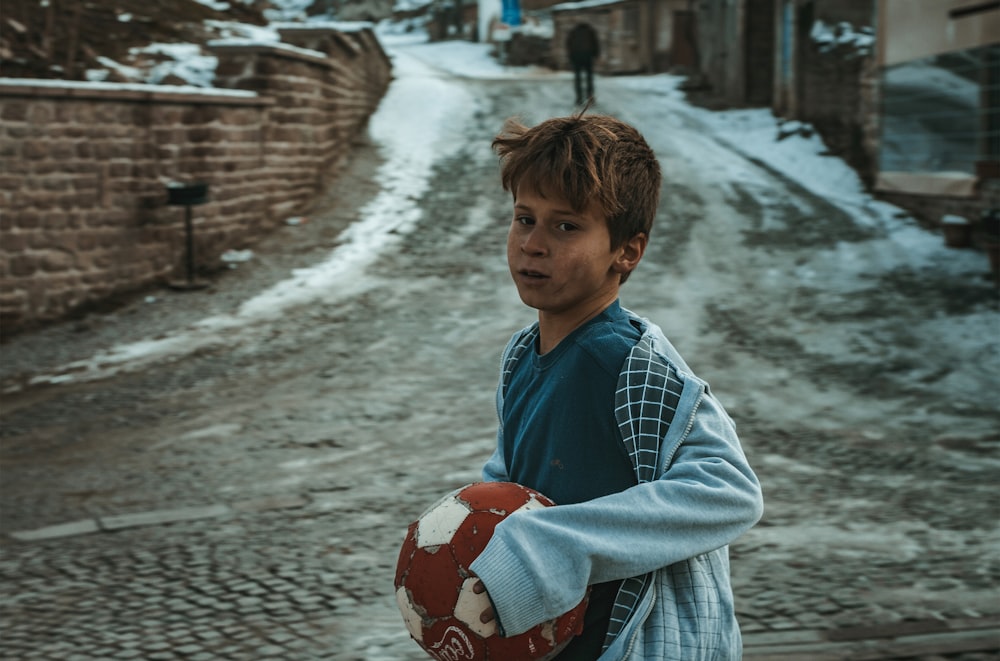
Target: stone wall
84,167
721,34
837,95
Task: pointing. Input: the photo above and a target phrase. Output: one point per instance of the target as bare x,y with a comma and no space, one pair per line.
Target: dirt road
193,477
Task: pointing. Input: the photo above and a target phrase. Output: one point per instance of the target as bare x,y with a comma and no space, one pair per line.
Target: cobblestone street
242,493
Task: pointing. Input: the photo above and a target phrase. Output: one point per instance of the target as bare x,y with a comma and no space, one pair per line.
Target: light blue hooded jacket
668,536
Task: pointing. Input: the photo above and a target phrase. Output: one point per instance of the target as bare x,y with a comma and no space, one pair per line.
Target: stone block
70,529
22,266
161,517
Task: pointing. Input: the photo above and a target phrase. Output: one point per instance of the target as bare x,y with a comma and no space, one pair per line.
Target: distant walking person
583,48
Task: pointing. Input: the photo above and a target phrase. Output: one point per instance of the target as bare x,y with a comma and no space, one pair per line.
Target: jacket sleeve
495,469
538,564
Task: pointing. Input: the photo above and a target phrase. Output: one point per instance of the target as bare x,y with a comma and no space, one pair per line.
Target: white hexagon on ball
470,606
532,504
410,616
440,524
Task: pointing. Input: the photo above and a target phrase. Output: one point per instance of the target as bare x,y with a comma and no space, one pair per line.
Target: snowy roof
829,36
339,26
584,4
256,43
124,87
409,5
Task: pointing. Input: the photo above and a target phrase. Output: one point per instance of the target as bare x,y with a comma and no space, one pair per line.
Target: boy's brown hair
596,158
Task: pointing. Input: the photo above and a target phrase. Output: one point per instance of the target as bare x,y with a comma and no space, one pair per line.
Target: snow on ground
462,58
403,177
417,65
410,156
799,154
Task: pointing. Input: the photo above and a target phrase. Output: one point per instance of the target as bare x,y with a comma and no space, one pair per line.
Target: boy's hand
488,615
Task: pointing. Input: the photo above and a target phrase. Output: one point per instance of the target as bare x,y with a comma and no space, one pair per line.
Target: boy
600,413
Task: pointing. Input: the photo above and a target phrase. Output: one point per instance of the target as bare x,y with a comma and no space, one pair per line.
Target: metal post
189,230
187,195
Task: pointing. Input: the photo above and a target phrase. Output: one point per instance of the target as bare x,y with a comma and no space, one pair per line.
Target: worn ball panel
412,619
500,497
448,640
537,643
436,582
570,624
470,540
405,552
438,524
434,587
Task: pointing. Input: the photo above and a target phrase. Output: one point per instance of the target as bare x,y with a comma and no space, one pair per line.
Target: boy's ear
630,254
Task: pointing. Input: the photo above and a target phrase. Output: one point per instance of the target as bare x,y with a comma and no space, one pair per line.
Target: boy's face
561,260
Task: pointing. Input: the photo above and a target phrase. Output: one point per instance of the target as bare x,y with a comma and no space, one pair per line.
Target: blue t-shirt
560,436
559,430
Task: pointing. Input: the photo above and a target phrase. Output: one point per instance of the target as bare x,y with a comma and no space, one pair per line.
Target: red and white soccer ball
434,585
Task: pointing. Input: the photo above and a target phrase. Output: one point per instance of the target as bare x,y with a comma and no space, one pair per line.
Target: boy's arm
495,469
539,563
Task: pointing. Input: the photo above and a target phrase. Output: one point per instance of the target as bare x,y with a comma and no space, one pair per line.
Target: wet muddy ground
273,469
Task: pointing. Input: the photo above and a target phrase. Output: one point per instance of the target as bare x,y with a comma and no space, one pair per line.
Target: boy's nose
533,243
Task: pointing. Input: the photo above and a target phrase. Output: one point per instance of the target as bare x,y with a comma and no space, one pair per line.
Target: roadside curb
871,643
114,523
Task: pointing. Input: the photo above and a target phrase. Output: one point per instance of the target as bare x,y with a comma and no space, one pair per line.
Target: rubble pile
64,39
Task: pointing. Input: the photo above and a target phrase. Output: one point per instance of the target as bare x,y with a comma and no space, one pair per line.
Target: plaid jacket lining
646,400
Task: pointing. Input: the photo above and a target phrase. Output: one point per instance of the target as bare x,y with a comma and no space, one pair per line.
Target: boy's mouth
527,273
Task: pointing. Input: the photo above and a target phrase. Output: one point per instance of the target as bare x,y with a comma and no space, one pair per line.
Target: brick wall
84,167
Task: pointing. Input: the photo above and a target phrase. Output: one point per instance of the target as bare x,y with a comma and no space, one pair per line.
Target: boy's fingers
487,615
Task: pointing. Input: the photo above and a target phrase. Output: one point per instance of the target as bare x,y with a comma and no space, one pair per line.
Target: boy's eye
524,220
567,227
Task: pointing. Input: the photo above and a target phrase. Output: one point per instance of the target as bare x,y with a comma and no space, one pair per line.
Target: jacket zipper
638,629
687,430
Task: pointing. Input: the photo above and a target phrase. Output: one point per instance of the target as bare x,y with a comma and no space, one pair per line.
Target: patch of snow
127,72
410,5
535,27
584,4
287,10
186,62
236,256
212,4
321,22
930,80
462,58
800,156
404,177
234,30
129,87
861,40
279,45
